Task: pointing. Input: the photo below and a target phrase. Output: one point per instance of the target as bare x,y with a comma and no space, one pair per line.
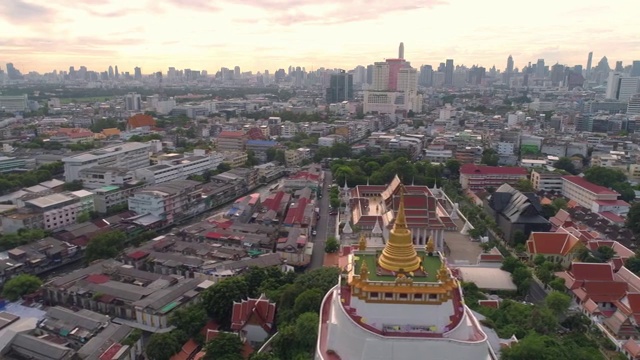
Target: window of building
373,295
388,295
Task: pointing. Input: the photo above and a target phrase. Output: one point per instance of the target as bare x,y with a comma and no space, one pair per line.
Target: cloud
291,12
21,12
199,5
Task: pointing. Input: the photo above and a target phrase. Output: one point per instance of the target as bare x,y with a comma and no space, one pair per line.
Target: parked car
314,233
333,213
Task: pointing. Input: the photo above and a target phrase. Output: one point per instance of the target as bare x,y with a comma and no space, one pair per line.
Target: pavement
536,293
461,249
322,227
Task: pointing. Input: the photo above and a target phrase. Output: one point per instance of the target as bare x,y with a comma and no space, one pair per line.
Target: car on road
333,212
314,233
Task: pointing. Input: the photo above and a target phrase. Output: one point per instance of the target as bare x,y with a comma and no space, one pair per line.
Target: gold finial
430,246
401,220
364,271
362,244
443,272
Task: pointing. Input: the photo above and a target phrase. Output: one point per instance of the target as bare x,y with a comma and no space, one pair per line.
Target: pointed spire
401,221
377,230
347,228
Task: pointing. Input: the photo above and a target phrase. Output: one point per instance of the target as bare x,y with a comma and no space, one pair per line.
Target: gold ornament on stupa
399,252
443,273
364,271
431,247
362,243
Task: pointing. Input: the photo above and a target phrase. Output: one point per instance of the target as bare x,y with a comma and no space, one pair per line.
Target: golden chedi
399,254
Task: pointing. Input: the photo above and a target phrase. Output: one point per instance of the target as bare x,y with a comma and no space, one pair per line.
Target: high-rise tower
589,61
401,51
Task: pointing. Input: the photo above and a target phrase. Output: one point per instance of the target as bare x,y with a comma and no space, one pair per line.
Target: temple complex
398,301
426,212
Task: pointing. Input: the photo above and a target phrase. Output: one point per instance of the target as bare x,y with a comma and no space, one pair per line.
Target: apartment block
231,141
547,181
107,197
167,202
99,176
177,167
128,155
480,177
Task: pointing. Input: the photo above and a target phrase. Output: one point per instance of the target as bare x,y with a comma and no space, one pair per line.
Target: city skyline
271,34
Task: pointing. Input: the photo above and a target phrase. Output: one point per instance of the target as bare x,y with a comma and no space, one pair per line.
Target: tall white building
133,102
633,108
12,104
613,84
179,168
132,156
629,86
380,79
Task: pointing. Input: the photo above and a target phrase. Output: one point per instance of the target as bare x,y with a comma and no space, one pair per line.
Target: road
536,293
317,259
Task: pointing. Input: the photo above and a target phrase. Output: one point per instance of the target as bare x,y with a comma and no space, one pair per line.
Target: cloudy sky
43,35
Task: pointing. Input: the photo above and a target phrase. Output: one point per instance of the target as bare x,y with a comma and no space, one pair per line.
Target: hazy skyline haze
271,34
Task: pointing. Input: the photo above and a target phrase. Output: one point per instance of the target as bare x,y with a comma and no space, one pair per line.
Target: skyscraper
589,61
236,72
540,69
401,51
426,75
137,73
509,64
635,68
132,102
448,73
110,72
117,73
613,85
340,87
619,66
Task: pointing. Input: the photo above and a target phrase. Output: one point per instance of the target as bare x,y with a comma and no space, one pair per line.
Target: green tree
332,245
189,319
558,302
453,166
539,259
223,167
557,284
522,278
218,299
559,204
605,253
524,185
603,176
633,218
633,264
309,301
252,160
75,185
20,285
564,163
510,264
544,272
262,356
519,237
162,346
106,245
83,217
489,157
533,347
225,346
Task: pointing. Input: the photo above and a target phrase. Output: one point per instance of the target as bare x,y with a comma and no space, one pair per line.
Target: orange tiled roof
140,120
551,243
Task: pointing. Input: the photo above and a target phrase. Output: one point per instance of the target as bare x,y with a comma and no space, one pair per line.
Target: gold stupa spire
430,245
399,254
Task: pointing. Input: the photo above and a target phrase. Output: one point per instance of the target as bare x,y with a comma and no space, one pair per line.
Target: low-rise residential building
132,297
108,197
481,177
235,158
49,212
168,202
593,197
293,158
260,147
546,180
8,164
311,177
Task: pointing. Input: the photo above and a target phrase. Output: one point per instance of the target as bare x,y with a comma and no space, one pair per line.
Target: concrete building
168,202
14,104
235,158
177,167
546,180
8,164
260,148
131,156
231,141
107,197
98,176
50,212
480,177
593,197
133,102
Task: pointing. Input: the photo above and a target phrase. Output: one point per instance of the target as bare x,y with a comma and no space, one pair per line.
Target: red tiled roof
612,217
111,352
492,170
605,291
140,120
214,235
261,311
612,203
187,351
592,271
295,215
632,347
551,243
489,303
97,278
137,255
589,186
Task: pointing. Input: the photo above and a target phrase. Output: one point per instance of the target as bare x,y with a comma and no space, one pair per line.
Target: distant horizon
260,35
